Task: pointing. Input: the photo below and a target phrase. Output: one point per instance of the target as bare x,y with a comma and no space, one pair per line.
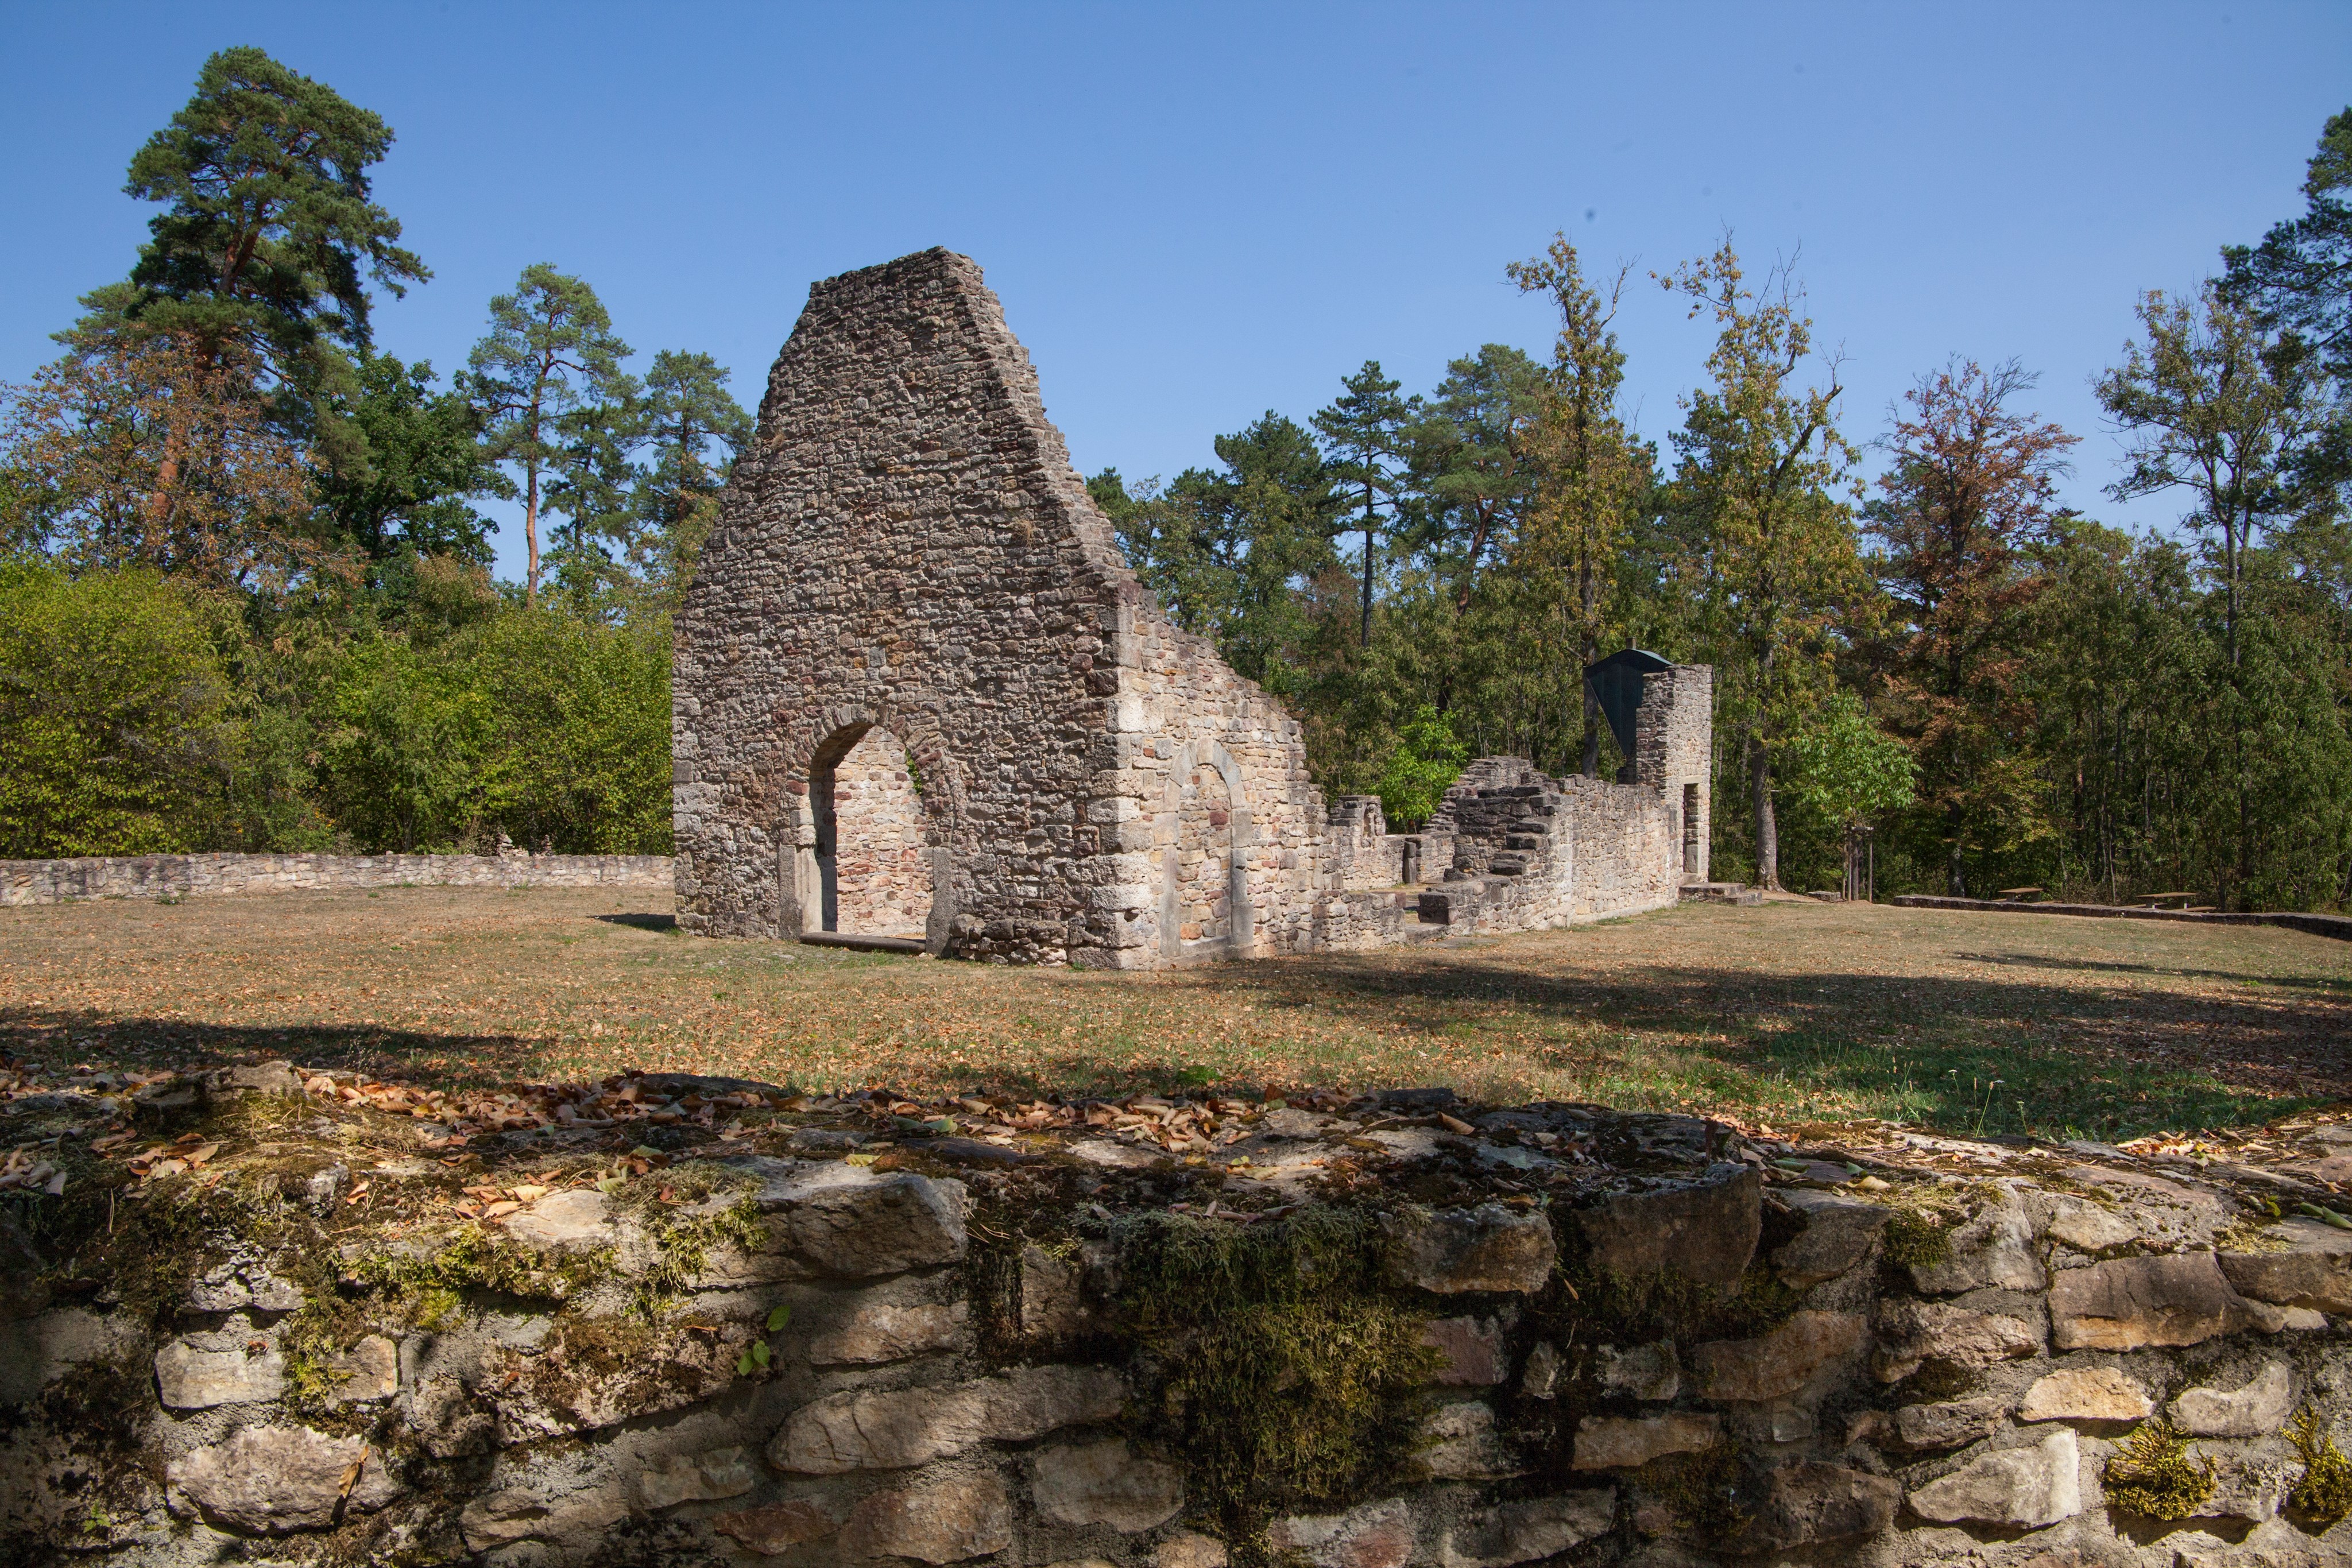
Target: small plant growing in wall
2325,1492
2154,1475
758,1355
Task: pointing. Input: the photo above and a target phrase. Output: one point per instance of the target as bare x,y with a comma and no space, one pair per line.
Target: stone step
1721,893
850,939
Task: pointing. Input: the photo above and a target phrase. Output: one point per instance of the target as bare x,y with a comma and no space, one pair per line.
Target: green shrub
114,715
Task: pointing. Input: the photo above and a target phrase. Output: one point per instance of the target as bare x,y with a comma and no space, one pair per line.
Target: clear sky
1196,212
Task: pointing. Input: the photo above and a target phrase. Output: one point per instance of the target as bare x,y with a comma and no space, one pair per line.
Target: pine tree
1364,432
540,377
269,240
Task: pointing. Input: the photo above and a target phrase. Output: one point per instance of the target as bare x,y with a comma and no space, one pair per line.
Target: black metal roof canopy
1616,681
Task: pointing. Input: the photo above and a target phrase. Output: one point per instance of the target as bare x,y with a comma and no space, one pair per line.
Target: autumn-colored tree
1589,467
1762,489
149,452
1966,493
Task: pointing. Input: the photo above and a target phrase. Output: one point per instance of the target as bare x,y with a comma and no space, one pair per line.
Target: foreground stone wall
288,1317
905,550
215,876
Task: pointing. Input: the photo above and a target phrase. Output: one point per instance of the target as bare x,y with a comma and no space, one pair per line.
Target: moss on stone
2154,1476
1287,1376
2325,1490
1701,1489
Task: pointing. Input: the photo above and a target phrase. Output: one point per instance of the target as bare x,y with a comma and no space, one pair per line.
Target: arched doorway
873,869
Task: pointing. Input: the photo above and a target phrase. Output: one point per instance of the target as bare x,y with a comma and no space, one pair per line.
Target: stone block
773,1528
893,1429
1539,1378
940,1519
1778,1364
1624,1442
1377,1535
1912,1333
1189,1550
667,1480
1471,1349
273,1480
2258,1409
368,1372
1644,1372
1525,1532
1450,1252
2085,1393
36,1352
1054,1304
859,1224
1705,1231
575,1516
1460,1443
880,1332
2314,1273
1949,1422
2016,1487
190,1379
572,1221
1838,1237
1809,1504
2128,1302
1995,1249
1106,1483
239,1285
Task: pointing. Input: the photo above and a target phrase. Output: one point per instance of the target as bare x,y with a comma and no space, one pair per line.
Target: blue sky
1196,212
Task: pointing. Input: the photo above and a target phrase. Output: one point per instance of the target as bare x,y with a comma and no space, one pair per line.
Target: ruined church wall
1180,706
908,548
904,546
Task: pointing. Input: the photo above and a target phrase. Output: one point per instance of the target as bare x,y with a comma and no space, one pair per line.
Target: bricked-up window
1690,829
869,840
1204,857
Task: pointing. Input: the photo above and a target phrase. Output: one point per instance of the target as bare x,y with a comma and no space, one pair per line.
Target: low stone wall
217,875
272,1316
2337,925
664,1320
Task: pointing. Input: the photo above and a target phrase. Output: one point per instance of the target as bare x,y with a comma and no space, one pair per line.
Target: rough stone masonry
264,1316
919,693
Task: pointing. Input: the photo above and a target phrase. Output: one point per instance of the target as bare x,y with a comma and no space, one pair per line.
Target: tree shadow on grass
59,1038
1959,1052
2322,984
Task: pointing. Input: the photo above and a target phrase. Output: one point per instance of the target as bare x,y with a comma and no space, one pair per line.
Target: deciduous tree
1966,493
1763,483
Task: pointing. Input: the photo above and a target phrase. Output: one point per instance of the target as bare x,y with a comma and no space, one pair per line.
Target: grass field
1787,1014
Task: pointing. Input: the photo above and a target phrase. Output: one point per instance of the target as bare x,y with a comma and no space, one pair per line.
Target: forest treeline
246,604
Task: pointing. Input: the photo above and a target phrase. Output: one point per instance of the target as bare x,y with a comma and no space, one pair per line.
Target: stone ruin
272,1317
921,700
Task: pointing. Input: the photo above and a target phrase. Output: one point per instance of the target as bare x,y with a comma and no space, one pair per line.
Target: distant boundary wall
26,883
2337,925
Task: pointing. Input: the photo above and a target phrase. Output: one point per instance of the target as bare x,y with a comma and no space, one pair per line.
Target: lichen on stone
2154,1476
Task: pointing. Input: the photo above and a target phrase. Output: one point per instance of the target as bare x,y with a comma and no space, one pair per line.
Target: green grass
1789,1014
